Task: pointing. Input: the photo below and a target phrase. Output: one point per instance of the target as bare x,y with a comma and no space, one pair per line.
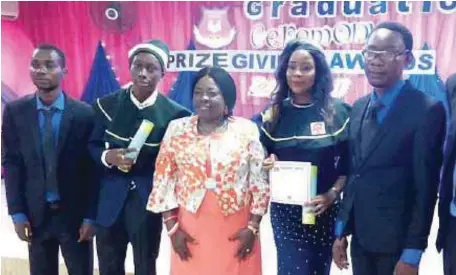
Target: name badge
211,183
317,128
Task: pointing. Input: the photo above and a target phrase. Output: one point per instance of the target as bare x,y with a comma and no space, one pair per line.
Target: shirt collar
390,95
146,103
59,103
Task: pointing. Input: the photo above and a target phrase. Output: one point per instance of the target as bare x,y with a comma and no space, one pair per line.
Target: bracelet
337,192
174,217
254,230
173,230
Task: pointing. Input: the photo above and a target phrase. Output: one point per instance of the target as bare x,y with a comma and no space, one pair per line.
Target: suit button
132,185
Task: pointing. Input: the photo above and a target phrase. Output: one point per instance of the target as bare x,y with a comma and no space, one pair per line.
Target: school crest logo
214,29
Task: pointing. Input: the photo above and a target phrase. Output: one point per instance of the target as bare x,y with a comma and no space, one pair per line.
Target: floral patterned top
230,164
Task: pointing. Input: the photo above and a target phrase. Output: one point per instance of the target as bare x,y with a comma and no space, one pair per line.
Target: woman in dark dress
304,123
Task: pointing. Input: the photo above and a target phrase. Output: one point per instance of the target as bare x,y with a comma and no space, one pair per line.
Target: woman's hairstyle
224,82
321,90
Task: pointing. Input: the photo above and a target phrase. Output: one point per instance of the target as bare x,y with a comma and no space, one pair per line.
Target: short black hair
224,82
407,36
59,52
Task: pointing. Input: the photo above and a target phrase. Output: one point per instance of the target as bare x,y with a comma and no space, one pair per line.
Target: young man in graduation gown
126,183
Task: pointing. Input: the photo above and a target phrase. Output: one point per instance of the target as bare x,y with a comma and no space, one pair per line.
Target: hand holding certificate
294,183
138,142
289,181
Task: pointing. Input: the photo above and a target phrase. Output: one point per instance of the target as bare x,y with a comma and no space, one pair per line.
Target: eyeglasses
383,55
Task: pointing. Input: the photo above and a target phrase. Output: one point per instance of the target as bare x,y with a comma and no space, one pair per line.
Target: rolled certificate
139,139
307,216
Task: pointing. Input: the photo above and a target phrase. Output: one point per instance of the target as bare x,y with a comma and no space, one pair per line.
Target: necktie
49,152
370,126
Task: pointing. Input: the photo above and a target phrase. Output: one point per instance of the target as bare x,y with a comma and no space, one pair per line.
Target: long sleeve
13,164
427,160
163,197
96,141
91,176
258,179
343,164
342,147
103,159
19,218
259,120
411,256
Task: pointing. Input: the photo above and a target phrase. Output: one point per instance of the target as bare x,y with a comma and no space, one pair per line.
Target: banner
244,37
341,61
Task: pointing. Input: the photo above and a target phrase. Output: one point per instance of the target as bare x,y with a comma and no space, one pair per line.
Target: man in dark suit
446,238
49,190
126,181
396,137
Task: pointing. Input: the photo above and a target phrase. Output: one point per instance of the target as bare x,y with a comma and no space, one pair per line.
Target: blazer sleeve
13,164
96,143
91,173
427,161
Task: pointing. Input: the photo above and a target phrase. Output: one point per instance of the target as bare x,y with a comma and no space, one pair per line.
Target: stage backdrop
244,37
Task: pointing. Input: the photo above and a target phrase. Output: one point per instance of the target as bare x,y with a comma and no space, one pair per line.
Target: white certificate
290,182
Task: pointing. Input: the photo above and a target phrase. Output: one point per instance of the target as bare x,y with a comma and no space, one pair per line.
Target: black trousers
144,236
57,232
449,250
371,263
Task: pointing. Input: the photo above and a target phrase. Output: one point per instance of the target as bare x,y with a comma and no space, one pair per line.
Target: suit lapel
65,123
450,147
446,187
394,115
31,114
452,138
356,122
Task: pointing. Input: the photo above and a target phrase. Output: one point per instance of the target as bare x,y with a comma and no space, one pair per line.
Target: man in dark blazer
396,137
49,190
446,238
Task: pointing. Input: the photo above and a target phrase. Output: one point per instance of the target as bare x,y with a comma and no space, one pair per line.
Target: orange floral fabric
235,158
